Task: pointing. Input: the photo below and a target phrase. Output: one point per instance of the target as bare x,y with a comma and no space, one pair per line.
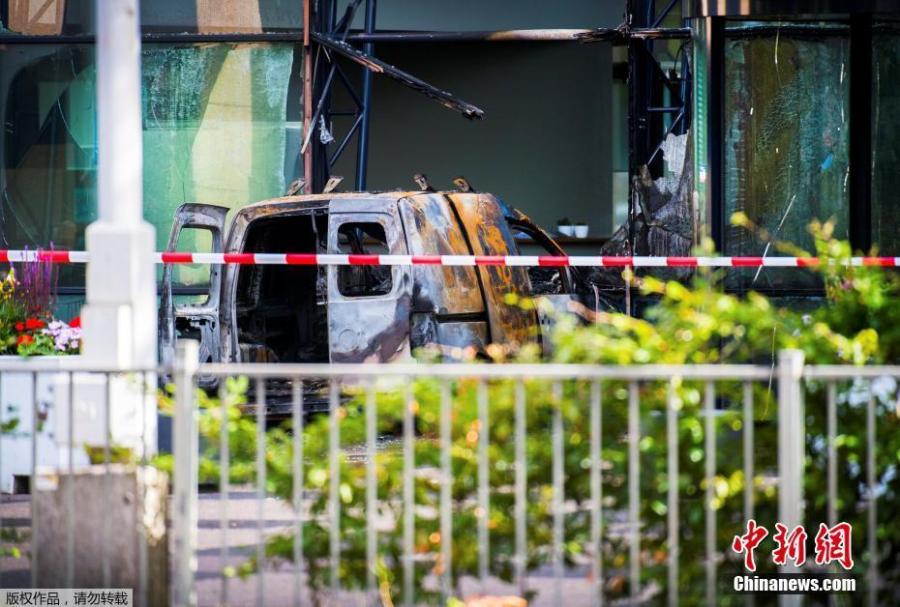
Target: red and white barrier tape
311,259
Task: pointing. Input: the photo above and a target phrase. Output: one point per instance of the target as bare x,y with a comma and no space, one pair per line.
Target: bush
695,323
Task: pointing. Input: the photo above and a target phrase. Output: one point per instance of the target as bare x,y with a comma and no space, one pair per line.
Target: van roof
316,199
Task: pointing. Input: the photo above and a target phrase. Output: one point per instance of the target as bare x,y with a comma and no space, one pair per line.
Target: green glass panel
215,123
48,152
885,151
786,146
214,126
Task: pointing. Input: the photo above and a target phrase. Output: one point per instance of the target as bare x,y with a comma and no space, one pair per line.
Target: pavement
278,580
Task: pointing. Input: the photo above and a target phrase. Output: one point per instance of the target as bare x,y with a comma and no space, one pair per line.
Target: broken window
786,141
48,155
215,126
363,280
193,277
216,130
885,124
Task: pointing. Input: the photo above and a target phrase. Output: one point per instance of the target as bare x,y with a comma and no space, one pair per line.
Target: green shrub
695,323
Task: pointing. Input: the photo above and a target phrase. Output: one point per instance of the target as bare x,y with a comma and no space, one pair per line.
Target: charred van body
331,313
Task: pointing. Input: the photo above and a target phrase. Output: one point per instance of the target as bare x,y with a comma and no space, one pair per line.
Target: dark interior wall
182,15
494,14
544,143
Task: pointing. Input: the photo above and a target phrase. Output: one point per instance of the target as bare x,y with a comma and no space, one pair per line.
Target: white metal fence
588,546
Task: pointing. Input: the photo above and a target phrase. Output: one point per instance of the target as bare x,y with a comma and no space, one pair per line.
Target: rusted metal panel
457,311
432,229
489,234
449,340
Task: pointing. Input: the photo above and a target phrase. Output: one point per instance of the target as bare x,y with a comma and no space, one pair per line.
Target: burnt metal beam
622,34
378,66
362,150
528,35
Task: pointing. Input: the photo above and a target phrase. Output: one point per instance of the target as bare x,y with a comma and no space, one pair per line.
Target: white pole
791,452
120,316
184,515
119,111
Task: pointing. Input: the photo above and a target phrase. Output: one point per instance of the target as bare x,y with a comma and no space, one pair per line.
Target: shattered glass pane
885,151
215,126
48,154
216,130
786,146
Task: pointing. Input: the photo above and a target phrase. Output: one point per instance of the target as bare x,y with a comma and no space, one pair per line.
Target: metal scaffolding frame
659,101
659,95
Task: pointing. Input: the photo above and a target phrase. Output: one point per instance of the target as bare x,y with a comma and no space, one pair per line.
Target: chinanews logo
832,548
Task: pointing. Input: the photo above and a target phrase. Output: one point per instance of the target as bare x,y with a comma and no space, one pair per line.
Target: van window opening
196,276
363,281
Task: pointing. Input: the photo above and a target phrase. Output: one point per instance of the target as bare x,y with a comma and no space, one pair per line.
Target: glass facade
216,130
785,144
215,126
885,125
48,154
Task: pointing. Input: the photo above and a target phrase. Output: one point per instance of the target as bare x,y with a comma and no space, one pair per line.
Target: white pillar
791,452
120,316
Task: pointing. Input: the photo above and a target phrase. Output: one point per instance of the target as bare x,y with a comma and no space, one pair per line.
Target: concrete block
127,517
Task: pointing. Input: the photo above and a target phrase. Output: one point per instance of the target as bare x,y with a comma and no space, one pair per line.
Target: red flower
24,340
20,326
34,323
75,323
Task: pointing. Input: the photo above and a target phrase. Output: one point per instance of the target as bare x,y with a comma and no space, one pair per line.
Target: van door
368,305
489,234
189,306
448,309
549,285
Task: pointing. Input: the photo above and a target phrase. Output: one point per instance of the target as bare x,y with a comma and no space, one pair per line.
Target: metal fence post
791,450
185,447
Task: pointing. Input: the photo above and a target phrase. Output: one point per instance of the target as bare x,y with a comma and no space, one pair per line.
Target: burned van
342,313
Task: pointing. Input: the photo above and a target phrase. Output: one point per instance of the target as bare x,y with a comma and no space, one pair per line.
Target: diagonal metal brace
380,67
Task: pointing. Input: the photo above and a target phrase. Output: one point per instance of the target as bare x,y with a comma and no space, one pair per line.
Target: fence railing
579,482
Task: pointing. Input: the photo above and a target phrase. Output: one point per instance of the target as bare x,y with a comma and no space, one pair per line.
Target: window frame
334,247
